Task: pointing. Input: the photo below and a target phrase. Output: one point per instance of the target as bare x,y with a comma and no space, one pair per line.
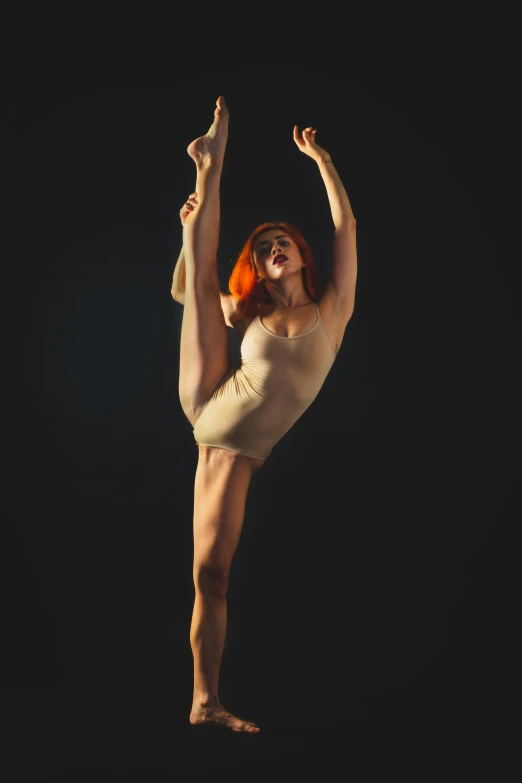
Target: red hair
242,281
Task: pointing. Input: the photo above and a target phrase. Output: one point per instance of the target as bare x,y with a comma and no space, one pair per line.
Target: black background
371,609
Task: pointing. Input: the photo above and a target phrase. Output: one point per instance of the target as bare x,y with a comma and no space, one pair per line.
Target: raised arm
178,280
344,270
228,304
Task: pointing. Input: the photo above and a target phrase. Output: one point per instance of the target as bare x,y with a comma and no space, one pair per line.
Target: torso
297,320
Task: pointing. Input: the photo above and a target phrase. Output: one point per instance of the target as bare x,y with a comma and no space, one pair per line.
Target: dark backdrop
371,598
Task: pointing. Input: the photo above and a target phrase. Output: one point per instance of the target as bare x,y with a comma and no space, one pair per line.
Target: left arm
344,270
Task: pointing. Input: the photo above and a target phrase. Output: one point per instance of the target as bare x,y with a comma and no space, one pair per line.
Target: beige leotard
255,404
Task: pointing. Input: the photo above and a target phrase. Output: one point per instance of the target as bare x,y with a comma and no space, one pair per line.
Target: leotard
255,404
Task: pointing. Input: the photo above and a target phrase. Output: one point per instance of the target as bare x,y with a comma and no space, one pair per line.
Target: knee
211,580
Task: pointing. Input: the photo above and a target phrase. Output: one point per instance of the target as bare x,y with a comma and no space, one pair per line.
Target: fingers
308,135
189,206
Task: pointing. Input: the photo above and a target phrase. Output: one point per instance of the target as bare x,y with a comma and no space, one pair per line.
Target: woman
290,337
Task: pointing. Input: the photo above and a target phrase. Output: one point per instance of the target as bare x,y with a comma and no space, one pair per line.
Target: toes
221,109
246,727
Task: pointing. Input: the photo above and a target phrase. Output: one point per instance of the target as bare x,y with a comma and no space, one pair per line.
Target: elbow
346,222
346,226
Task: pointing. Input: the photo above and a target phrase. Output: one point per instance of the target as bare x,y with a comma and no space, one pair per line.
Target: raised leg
204,349
220,491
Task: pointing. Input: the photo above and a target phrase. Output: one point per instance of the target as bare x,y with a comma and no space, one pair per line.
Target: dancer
291,333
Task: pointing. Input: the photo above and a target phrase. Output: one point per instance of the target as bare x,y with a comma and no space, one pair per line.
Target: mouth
279,259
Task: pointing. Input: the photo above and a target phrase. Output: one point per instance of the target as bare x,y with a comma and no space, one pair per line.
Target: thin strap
324,330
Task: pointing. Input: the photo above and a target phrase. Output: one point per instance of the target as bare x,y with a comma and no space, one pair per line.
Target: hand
188,207
307,144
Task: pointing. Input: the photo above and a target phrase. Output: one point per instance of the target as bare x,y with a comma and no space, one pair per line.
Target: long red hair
242,281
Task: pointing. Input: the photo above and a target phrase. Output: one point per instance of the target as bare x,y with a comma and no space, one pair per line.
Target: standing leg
220,491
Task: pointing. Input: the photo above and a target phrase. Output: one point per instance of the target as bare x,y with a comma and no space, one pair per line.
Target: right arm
179,279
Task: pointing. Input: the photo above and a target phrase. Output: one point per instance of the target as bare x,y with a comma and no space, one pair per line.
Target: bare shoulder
335,314
230,307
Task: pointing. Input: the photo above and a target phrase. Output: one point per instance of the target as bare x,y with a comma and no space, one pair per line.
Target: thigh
220,492
204,348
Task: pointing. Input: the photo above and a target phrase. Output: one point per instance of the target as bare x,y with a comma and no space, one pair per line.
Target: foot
218,716
210,148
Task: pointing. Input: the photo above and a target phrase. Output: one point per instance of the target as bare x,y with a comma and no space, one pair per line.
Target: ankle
209,168
204,701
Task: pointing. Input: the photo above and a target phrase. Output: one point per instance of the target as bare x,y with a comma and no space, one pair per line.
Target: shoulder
229,305
240,317
237,315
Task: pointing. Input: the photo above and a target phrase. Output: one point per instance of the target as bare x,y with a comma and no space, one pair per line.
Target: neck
287,298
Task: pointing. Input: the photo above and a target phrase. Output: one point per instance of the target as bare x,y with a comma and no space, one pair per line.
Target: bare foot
218,716
210,148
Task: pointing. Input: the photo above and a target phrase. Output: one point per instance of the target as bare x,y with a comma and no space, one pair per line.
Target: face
269,247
